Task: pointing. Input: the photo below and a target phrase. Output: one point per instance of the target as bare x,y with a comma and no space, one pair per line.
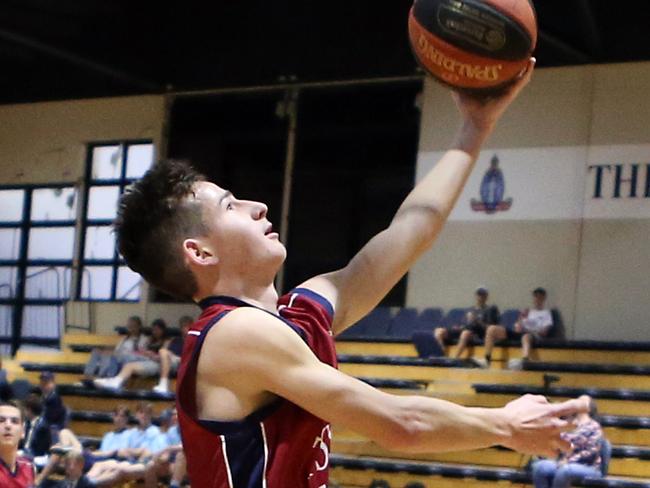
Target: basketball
473,44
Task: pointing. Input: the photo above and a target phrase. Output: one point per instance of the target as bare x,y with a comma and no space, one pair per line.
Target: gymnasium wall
46,142
569,228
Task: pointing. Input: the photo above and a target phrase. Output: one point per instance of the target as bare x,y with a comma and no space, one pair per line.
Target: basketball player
15,472
258,384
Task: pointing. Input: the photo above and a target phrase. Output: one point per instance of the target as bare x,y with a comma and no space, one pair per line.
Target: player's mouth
270,234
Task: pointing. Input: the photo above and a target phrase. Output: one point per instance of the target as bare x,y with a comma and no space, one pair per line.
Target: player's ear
199,253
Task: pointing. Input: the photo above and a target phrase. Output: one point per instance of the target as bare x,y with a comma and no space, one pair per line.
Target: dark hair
34,404
161,324
154,216
539,291
16,405
144,407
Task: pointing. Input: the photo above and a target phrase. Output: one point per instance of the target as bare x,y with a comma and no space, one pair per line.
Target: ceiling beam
79,61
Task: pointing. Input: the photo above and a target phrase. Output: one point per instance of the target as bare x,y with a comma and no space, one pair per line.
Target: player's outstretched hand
536,425
485,111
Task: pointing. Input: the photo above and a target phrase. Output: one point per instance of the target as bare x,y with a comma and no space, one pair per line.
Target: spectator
476,321
170,355
105,362
533,324
145,438
169,461
118,438
583,461
38,438
54,411
74,472
145,363
15,472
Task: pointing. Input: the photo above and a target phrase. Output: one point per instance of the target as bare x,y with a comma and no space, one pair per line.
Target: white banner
554,183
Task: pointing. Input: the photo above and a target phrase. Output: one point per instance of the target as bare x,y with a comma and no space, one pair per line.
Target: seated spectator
74,473
170,355
15,471
533,324
118,438
143,363
583,461
477,320
66,441
105,361
38,437
169,461
54,410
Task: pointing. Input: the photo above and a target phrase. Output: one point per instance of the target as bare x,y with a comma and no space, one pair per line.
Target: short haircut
160,323
154,217
121,410
75,455
34,404
16,405
136,319
144,407
539,291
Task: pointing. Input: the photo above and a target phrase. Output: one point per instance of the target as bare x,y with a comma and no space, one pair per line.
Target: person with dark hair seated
170,355
533,325
584,460
477,319
54,410
145,363
38,437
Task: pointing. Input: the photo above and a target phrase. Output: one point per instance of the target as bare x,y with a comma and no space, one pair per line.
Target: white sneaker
516,364
482,363
114,383
161,389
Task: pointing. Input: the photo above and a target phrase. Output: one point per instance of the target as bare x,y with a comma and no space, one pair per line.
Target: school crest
493,188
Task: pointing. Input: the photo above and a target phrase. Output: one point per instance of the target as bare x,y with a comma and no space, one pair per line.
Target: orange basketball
473,44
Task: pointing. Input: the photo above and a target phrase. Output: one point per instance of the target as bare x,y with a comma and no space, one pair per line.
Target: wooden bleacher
393,366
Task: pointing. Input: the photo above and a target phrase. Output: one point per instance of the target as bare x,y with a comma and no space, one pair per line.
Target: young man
533,324
15,472
258,383
477,320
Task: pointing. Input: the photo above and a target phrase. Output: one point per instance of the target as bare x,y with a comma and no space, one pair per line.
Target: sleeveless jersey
278,446
23,477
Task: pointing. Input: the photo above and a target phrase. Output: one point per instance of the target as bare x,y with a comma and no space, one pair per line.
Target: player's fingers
570,407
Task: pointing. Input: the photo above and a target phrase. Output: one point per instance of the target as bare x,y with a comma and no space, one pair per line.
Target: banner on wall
554,183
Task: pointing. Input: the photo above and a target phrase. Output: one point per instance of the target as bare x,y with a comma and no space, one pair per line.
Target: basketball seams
517,15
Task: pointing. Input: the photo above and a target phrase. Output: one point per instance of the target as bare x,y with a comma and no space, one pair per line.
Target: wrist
500,426
472,135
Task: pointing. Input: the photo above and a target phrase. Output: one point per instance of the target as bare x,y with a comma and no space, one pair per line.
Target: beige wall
596,271
46,142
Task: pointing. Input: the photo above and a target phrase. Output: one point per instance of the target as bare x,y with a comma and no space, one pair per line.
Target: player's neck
261,295
8,457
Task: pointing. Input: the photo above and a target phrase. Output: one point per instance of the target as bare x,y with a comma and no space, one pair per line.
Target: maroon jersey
22,477
278,446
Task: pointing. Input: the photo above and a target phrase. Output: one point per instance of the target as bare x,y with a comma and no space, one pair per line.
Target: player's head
11,426
539,297
181,232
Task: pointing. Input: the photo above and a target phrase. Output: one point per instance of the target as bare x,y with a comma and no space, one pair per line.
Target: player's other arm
358,287
253,350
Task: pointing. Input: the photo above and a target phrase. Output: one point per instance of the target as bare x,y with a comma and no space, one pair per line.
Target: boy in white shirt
534,323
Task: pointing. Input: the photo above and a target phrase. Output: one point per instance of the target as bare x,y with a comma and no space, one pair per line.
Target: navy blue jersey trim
324,302
223,300
246,458
247,424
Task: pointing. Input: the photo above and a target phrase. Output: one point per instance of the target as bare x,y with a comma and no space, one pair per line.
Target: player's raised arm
358,287
253,352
